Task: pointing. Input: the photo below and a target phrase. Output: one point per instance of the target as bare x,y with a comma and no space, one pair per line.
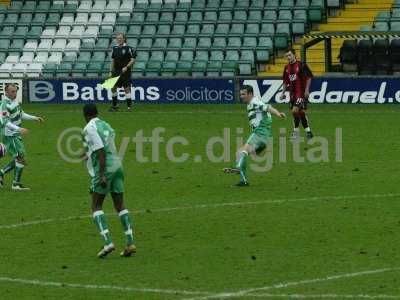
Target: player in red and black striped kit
297,78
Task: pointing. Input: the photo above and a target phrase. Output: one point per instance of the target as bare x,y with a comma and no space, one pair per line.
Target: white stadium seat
99,6
19,70
114,6
95,19
67,20
85,6
48,33
33,70
44,46
5,70
91,32
59,45
63,32
31,46
41,57
12,59
27,57
77,32
109,19
81,19
73,46
55,58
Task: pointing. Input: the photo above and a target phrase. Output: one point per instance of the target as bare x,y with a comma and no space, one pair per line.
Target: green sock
101,222
127,226
18,172
7,168
242,164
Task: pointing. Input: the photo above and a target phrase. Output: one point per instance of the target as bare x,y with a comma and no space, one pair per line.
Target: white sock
296,129
308,129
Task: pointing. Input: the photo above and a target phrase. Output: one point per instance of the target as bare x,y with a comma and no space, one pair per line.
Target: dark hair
121,34
248,89
90,110
292,50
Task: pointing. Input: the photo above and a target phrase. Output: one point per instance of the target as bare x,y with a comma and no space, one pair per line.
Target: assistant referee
123,58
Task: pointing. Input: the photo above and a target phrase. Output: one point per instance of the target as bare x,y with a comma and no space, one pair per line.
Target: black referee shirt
122,55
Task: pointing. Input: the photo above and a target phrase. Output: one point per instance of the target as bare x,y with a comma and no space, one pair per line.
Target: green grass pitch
323,230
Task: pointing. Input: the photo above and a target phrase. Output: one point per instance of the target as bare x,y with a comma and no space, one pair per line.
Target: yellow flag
109,83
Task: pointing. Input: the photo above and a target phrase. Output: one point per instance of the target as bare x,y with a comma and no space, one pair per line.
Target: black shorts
125,80
300,103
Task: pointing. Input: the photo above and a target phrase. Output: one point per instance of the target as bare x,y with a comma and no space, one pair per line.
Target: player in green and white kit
11,119
260,120
107,176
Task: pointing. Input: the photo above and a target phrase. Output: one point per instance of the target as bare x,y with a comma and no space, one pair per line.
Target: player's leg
7,147
100,220
114,106
128,93
305,122
20,163
296,121
117,194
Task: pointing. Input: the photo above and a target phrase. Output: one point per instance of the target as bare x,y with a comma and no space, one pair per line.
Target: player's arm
275,112
29,117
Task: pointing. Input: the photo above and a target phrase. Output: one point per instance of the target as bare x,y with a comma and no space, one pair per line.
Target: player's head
11,90
246,93
290,55
120,38
90,111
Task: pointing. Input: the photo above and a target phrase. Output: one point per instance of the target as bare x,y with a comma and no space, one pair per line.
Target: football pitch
301,230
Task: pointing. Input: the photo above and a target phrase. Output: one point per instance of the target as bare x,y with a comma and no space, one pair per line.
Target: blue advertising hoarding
143,90
333,90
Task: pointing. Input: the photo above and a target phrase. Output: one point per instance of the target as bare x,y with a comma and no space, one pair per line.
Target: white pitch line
282,285
323,296
98,287
206,206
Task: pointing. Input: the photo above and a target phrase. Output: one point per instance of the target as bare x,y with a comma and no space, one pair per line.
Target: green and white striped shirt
11,117
259,116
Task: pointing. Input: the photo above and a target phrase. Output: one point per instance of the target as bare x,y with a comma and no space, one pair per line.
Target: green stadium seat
172,56
240,16
394,26
103,44
183,68
300,15
183,6
189,43
207,30
257,4
134,31
3,8
234,43
175,43
272,4
282,34
285,15
287,4
39,19
57,7
149,30
80,66
252,30
21,32
2,18
365,28
155,7
204,43
87,45
70,7
298,28
383,16
262,56
214,68
145,44
267,29
229,68
34,33
381,26
187,55
245,69
181,17
3,56
6,32
225,17
163,30
242,5
70,57
160,43
302,4
199,68
265,43
123,19
84,57
222,30
315,11
53,19
213,5
152,18
139,66
142,56
196,17
157,56
232,55
29,7
11,19
15,7
5,44
166,18
17,45
217,55
248,57
219,43
169,7
137,18
198,5
202,55
227,5
98,57
192,30
249,43
270,16
255,16
237,30
120,28
210,17
168,68
395,15
333,3
178,30
105,31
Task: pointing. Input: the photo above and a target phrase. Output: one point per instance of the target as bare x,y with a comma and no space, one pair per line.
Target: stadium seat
366,61
382,57
395,56
348,56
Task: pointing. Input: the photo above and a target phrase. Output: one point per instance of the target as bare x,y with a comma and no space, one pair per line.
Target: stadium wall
324,90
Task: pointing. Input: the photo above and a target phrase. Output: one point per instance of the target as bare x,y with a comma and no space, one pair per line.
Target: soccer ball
2,150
